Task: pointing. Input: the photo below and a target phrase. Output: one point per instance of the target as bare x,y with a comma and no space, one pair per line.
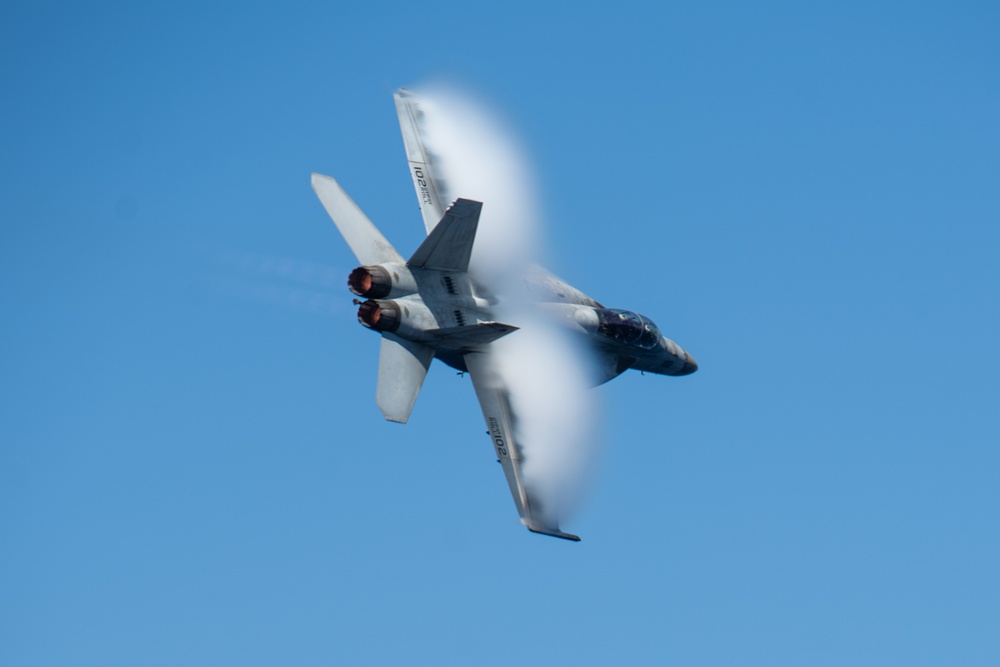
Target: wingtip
553,532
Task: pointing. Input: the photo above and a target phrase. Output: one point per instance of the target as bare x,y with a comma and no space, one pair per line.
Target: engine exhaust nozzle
379,315
372,282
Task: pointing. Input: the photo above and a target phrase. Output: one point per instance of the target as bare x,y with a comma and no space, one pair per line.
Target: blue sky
192,466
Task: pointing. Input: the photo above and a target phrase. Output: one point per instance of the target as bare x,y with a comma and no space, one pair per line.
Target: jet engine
379,315
409,316
382,280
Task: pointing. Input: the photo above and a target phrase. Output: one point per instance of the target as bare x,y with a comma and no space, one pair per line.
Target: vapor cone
475,156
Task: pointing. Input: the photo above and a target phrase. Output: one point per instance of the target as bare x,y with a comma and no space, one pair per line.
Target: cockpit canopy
624,326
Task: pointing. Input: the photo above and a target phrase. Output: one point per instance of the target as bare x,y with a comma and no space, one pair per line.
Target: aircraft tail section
449,245
365,240
402,367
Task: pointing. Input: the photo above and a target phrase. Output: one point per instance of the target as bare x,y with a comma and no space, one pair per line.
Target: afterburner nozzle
372,282
379,315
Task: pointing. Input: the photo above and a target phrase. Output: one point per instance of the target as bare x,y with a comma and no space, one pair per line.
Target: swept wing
428,187
494,399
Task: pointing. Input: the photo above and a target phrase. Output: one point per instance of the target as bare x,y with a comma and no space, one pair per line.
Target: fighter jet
430,306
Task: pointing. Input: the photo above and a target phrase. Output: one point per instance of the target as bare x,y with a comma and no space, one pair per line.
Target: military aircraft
431,306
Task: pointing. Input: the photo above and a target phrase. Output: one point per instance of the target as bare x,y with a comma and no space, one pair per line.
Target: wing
494,401
429,191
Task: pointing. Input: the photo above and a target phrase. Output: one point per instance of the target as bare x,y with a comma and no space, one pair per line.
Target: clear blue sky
192,467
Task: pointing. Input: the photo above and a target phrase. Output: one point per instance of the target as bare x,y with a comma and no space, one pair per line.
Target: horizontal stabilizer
467,337
402,367
449,245
365,241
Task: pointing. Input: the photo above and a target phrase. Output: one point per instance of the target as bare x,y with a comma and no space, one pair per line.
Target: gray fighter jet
430,306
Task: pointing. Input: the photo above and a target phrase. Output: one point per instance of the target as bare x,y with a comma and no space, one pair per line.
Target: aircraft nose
690,366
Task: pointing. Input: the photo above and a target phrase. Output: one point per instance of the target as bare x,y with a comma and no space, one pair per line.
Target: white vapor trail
477,157
292,283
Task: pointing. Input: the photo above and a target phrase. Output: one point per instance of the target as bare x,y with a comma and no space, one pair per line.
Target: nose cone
690,366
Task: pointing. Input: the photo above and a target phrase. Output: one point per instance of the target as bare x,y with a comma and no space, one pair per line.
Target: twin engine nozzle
376,283
382,285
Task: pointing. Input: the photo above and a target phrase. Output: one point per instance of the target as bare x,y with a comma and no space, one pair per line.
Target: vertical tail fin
364,239
449,245
402,367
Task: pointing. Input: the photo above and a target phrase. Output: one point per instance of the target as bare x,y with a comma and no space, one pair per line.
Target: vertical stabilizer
402,367
449,245
364,239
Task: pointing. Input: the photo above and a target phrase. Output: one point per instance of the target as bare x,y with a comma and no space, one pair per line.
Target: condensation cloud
476,156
